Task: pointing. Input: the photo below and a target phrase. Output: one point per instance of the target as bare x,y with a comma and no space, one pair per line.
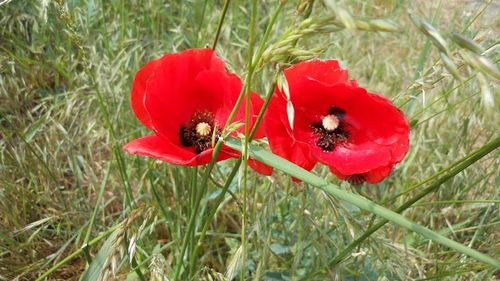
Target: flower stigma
330,131
330,122
203,128
198,131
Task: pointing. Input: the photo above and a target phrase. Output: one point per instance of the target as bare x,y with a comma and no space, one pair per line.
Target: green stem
292,169
254,63
94,214
267,99
194,212
200,24
75,38
218,145
221,22
457,168
195,193
216,151
267,33
211,215
244,217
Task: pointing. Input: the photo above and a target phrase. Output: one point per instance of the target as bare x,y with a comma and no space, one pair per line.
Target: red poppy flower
186,98
360,135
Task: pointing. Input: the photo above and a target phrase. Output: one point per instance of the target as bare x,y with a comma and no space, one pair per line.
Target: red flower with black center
359,135
186,98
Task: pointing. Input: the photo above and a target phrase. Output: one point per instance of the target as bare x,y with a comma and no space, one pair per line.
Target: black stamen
186,136
340,113
317,128
190,137
329,139
356,179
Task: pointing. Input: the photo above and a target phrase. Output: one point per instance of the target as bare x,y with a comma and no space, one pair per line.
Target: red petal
281,139
379,174
172,94
260,167
338,174
379,132
327,72
373,176
221,91
257,103
139,91
160,148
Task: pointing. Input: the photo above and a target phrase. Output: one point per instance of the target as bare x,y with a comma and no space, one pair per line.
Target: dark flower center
199,131
331,130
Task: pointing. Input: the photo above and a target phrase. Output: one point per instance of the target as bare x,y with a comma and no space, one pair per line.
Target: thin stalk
233,172
267,99
75,38
193,190
202,19
244,217
163,211
479,13
216,151
421,60
195,193
211,215
192,217
270,92
255,60
218,145
122,169
94,214
123,24
219,142
221,22
447,202
267,33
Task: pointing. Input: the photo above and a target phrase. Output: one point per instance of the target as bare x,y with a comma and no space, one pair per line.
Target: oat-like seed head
330,122
203,129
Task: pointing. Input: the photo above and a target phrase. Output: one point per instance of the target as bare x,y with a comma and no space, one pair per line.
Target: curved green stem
457,168
290,168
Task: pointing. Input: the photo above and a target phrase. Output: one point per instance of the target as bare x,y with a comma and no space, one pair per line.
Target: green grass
71,201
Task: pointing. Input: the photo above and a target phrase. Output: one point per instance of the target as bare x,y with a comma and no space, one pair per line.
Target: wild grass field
74,205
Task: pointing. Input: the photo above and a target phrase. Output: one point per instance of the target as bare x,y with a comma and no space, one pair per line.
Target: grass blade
98,265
